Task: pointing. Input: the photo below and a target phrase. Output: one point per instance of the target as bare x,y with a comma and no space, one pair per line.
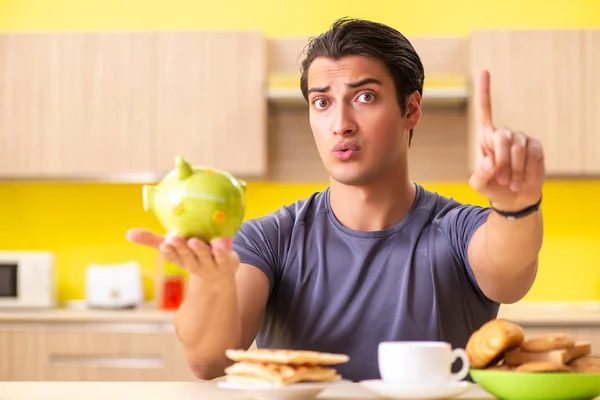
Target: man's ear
413,110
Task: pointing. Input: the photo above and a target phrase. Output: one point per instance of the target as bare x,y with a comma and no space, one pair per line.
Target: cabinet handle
148,362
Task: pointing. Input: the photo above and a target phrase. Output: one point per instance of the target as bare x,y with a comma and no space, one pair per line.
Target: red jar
172,296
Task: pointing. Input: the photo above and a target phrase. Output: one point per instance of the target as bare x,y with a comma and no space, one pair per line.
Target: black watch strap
521,213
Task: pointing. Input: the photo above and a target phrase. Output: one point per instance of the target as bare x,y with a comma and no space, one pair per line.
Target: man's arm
221,315
510,173
225,302
227,312
504,255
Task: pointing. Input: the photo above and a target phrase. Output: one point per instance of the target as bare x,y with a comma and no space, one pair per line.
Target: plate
304,390
538,385
391,391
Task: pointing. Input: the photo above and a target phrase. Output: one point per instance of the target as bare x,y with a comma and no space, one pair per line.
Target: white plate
304,390
389,390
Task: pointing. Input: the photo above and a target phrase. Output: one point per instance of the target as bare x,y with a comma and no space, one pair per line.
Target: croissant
492,340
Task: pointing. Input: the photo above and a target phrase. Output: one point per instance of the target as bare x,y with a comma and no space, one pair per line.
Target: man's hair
357,37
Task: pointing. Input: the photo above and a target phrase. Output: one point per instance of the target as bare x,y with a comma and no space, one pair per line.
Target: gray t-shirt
336,290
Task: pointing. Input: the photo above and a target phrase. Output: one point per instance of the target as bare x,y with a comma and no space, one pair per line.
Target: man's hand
208,262
510,170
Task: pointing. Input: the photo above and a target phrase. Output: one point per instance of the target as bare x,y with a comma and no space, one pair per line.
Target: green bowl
510,385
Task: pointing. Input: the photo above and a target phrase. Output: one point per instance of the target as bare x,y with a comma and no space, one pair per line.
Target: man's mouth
344,151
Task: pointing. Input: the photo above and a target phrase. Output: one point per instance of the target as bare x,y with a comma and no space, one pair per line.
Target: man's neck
378,206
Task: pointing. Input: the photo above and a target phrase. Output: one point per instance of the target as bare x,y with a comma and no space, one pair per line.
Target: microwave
27,279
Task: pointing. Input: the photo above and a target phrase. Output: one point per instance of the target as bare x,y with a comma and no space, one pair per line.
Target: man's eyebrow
319,89
353,85
364,82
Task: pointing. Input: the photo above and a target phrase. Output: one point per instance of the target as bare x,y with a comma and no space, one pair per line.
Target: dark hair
357,37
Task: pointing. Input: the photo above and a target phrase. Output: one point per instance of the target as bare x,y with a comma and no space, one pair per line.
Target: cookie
542,366
278,375
290,357
488,344
563,356
500,367
587,364
549,342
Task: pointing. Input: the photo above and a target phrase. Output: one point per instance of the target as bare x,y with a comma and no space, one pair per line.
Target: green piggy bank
197,202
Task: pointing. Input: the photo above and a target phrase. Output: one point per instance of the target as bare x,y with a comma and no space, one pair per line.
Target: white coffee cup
416,365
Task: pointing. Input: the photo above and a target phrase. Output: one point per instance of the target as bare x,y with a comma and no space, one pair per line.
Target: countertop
143,315
546,313
168,390
525,313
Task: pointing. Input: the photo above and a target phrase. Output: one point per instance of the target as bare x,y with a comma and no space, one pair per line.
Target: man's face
356,121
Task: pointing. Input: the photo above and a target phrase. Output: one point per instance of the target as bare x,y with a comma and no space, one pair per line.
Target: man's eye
320,103
367,97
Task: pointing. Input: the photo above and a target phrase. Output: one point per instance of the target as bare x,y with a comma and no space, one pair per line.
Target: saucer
393,391
304,390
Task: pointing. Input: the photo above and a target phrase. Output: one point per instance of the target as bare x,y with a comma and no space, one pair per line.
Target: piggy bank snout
148,197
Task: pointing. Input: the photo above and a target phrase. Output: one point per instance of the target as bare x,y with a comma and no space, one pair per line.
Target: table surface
168,390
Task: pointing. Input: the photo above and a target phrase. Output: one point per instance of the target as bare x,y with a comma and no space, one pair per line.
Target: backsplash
86,223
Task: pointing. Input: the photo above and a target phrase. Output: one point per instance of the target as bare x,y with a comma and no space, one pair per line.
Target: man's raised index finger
483,103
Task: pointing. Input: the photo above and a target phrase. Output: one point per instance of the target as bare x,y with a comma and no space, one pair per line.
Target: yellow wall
85,223
294,17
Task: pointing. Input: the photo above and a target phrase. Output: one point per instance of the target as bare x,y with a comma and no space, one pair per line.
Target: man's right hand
211,263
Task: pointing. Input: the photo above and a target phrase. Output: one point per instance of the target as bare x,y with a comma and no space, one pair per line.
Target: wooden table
166,391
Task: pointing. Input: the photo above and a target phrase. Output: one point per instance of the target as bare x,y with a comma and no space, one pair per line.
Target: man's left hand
510,169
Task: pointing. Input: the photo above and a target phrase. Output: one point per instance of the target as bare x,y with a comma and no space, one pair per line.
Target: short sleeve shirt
337,290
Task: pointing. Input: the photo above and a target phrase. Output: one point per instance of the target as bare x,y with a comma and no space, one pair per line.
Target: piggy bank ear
183,168
243,185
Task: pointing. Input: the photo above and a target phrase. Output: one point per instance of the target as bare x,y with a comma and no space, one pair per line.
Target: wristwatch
520,213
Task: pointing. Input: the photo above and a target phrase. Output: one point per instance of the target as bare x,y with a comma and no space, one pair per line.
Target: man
375,257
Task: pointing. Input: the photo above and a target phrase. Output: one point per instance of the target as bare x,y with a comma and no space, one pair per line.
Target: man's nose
344,122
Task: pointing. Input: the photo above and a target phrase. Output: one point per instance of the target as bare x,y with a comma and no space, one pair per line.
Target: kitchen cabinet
544,83
591,100
141,345
102,105
72,350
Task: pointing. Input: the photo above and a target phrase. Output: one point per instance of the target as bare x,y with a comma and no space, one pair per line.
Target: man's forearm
512,246
207,323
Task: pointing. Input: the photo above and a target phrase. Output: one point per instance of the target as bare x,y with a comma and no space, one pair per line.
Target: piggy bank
199,202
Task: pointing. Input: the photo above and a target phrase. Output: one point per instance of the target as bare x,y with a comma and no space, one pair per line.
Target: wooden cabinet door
591,101
536,87
94,355
211,101
91,352
77,105
22,355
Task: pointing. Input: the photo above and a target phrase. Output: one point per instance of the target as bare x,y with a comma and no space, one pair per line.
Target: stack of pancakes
279,368
502,345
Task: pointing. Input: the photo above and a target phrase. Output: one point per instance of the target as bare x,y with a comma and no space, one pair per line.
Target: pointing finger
483,104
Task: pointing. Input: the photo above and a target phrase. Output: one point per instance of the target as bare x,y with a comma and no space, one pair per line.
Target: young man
375,257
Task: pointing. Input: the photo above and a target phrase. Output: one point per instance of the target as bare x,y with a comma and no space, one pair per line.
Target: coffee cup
416,365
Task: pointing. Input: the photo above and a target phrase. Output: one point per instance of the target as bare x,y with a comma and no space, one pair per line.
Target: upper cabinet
546,84
591,101
76,105
121,106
